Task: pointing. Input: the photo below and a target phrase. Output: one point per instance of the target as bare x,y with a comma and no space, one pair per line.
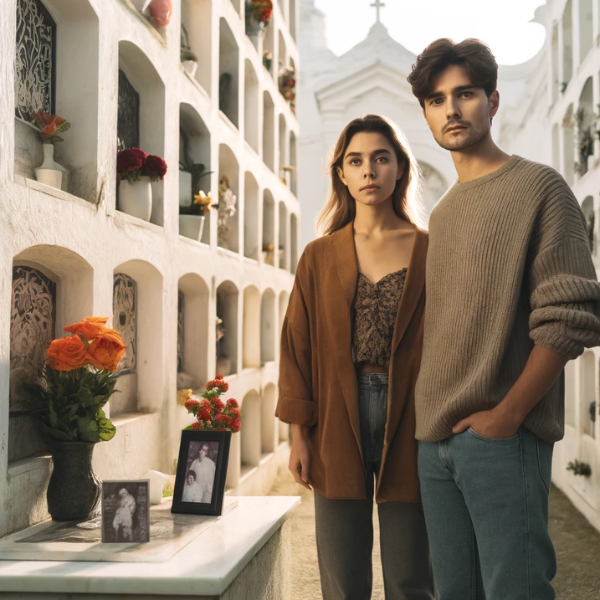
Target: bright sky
503,24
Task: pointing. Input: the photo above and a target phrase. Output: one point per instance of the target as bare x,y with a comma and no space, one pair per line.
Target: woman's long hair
340,208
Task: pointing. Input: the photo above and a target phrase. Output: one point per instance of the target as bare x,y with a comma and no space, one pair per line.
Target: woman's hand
300,455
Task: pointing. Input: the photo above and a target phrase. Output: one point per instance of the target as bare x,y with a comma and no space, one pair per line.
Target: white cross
378,5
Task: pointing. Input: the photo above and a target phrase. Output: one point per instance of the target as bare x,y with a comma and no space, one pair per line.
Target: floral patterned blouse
375,309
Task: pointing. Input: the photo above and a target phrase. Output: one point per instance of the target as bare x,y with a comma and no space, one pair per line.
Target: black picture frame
126,511
215,448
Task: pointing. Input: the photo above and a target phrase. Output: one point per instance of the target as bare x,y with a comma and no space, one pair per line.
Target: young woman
350,353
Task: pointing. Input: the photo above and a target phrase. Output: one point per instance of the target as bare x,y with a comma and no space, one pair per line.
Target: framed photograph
126,511
201,472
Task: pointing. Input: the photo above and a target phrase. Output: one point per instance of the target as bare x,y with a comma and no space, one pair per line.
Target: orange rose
67,354
91,328
106,351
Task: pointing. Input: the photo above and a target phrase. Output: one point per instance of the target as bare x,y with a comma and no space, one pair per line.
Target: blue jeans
486,510
345,527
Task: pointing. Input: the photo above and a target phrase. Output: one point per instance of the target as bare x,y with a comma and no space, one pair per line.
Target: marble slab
205,567
51,540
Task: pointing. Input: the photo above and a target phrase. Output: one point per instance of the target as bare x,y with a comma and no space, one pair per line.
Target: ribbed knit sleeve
564,291
295,404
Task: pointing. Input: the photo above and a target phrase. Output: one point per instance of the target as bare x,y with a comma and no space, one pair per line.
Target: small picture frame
126,511
201,472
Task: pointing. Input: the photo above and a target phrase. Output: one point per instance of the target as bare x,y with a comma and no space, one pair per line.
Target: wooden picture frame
201,472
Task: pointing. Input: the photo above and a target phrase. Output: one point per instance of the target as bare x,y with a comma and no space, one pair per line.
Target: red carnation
196,426
218,405
130,160
154,167
204,415
222,421
235,425
233,402
219,376
235,412
190,403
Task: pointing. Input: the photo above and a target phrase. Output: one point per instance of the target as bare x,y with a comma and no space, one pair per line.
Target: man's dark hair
474,55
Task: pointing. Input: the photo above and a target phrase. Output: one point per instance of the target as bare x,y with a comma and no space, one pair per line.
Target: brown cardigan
317,379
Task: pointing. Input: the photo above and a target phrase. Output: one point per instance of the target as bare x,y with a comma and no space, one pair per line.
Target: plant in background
78,381
50,126
287,83
226,208
579,468
134,163
211,413
261,10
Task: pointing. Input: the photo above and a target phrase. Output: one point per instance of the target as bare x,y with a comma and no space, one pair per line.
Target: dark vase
74,489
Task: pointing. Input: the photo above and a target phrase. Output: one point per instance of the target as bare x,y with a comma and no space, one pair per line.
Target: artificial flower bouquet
134,163
79,379
50,126
211,413
261,10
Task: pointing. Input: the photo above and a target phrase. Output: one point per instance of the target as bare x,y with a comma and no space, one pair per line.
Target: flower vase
191,226
74,489
135,198
49,172
253,27
190,67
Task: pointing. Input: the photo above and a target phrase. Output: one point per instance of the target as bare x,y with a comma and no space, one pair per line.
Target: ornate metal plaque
35,60
32,325
128,116
125,319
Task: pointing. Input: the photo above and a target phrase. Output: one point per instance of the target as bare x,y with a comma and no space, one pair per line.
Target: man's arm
543,368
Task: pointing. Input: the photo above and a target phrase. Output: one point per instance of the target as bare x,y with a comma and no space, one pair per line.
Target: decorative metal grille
125,320
180,332
128,118
32,325
35,60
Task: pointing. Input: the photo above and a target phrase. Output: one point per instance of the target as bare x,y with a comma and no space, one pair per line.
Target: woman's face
190,480
370,168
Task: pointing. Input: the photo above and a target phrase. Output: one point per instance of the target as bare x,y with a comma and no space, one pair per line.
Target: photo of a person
124,517
200,472
125,511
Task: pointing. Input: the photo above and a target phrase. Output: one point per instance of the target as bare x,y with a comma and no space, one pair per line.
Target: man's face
458,113
203,452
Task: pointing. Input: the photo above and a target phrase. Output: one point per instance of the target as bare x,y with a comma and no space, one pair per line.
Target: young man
512,296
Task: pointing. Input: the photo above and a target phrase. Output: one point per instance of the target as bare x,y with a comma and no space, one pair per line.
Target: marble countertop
205,566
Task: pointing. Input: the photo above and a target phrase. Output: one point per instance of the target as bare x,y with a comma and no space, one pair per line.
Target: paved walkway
577,546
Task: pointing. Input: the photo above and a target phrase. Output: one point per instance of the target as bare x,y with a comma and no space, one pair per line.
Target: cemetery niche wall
70,252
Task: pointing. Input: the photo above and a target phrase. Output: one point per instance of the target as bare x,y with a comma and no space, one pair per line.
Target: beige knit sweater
509,266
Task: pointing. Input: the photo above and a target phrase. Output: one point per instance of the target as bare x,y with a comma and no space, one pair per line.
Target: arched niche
293,242
227,336
268,150
52,287
268,426
141,121
75,68
283,225
228,73
567,49
251,106
268,58
196,21
293,19
585,117
282,60
268,327
237,5
569,146
283,8
556,147
227,227
251,331
588,408
587,206
434,185
586,28
194,160
251,431
268,229
283,165
284,298
555,62
138,316
293,177
192,330
251,216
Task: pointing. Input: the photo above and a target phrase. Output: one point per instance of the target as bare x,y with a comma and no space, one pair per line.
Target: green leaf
56,434
87,429
106,429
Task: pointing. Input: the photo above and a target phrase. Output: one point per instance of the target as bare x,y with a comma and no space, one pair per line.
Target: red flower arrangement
50,126
212,414
261,10
133,163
